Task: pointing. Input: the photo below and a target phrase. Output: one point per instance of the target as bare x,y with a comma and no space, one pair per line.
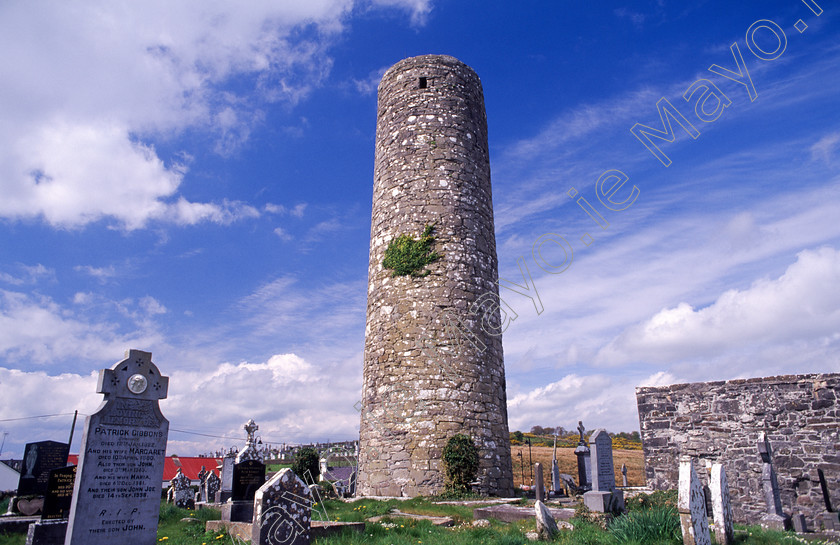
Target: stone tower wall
433,363
720,422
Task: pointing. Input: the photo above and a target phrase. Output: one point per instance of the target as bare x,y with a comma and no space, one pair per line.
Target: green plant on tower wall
406,256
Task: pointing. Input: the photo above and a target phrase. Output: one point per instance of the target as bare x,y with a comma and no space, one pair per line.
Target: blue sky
195,181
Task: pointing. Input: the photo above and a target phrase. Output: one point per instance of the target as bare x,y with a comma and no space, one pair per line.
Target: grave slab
512,513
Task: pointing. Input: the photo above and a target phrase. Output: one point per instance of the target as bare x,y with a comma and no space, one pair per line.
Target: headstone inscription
583,461
691,504
116,496
539,484
282,511
38,460
248,477
775,518
52,528
721,506
604,497
59,493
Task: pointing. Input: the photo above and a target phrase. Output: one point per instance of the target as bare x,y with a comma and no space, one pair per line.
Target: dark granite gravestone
283,511
584,463
59,493
116,497
38,460
248,477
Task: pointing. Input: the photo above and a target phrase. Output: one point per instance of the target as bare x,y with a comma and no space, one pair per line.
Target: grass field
567,461
658,525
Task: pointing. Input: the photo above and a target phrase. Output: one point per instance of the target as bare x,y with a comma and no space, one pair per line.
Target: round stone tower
433,364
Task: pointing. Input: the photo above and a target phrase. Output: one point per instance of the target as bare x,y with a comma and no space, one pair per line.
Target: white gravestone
604,497
691,503
721,506
116,496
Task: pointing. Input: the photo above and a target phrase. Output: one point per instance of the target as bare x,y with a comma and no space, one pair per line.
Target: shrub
306,465
645,502
460,463
406,256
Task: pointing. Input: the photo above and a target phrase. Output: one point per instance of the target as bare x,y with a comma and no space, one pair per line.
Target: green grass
656,525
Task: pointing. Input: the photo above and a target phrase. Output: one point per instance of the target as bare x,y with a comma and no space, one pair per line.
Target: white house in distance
9,478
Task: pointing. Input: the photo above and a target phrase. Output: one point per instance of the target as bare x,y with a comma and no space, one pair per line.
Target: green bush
306,465
654,526
460,463
406,256
645,502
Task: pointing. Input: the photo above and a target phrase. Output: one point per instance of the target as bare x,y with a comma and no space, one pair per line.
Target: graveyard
754,464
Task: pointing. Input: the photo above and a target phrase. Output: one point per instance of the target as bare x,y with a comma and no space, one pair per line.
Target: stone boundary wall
720,422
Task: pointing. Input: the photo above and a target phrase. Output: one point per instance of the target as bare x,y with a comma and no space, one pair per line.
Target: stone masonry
433,363
721,422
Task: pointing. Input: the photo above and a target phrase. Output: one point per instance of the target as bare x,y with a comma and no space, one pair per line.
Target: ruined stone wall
433,363
720,421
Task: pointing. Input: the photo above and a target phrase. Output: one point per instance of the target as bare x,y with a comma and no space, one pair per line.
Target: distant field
567,461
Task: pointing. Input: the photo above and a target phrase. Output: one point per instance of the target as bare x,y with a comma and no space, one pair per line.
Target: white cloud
36,330
598,400
151,305
27,274
88,87
370,84
291,399
802,305
100,273
826,148
282,234
419,9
